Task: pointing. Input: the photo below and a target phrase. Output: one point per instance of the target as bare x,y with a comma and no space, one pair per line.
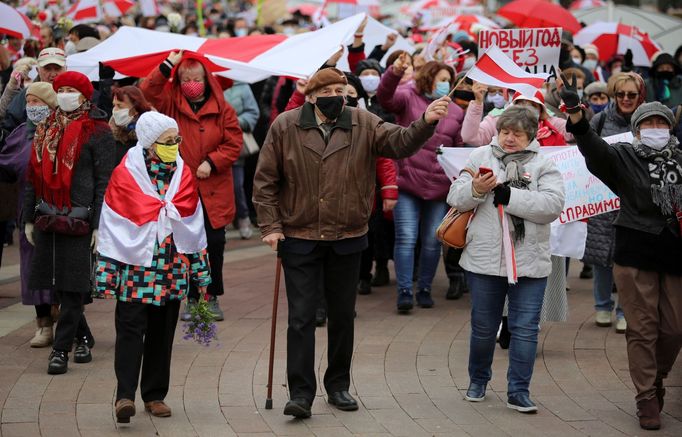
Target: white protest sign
534,50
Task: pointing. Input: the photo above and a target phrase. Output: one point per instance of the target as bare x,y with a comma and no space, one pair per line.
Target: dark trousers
301,274
144,330
451,258
71,323
215,239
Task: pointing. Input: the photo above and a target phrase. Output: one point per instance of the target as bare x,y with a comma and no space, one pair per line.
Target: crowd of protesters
340,173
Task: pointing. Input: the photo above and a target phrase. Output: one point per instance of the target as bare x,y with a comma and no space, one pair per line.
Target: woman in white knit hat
152,244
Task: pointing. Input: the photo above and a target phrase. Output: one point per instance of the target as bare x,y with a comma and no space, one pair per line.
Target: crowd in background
62,136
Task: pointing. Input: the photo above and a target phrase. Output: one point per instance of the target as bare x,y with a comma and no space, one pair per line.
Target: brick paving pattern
409,374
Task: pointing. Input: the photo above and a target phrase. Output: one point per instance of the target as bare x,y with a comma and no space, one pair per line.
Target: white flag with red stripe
134,216
494,68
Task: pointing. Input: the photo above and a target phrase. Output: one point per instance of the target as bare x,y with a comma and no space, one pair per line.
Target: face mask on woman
590,64
68,102
496,99
442,89
655,138
167,152
370,83
37,113
598,108
192,89
122,117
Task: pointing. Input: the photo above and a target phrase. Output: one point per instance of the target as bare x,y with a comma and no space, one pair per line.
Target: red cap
76,80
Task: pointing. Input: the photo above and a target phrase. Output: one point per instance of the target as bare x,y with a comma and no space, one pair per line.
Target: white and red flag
616,38
134,217
90,11
579,5
150,8
14,23
494,68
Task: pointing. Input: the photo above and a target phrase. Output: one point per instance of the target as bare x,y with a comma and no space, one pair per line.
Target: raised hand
569,93
437,110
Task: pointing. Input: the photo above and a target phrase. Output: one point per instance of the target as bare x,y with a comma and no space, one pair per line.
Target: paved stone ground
409,373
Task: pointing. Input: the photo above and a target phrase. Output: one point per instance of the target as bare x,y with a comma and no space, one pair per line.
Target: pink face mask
192,89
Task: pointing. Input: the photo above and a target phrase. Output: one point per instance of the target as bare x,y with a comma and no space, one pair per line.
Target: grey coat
601,235
64,262
241,98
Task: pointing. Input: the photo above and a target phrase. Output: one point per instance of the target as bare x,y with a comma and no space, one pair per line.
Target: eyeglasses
174,141
622,94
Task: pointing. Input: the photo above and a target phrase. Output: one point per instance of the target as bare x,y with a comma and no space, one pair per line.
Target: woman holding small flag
516,193
152,245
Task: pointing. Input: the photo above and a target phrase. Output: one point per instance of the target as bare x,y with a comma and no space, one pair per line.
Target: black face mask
465,95
665,75
352,101
331,106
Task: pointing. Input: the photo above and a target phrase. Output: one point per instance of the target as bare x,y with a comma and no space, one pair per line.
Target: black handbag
74,222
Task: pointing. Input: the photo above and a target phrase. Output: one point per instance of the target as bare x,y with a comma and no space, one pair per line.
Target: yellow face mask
167,152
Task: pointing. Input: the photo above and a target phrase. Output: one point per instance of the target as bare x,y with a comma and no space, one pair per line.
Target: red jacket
211,133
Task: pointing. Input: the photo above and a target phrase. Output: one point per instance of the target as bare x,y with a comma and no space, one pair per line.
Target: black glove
627,62
502,195
106,72
569,94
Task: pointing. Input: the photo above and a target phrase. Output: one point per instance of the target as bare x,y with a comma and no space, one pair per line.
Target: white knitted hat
150,126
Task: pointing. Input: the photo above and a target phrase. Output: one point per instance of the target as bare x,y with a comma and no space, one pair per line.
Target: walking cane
273,330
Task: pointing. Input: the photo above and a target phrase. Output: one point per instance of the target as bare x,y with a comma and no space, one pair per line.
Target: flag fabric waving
494,68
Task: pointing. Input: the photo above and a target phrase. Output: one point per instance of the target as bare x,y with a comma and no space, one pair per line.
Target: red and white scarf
134,217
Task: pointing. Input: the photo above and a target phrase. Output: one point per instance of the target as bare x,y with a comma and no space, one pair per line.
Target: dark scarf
517,177
665,174
57,146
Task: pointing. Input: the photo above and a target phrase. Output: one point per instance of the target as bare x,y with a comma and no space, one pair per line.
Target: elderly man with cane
313,193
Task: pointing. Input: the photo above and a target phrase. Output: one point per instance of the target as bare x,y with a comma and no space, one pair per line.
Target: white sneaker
44,335
621,325
245,230
603,318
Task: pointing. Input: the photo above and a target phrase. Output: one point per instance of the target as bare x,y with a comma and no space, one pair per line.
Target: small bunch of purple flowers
201,327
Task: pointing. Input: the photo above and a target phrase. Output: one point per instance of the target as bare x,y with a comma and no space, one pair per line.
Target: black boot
381,276
457,287
82,353
364,287
58,362
586,272
320,317
505,335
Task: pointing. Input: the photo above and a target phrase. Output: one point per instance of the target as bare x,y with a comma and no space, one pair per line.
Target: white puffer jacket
539,206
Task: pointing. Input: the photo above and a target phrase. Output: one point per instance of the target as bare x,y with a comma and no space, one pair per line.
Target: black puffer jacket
601,235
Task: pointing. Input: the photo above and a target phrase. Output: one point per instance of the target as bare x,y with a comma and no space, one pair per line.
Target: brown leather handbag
453,229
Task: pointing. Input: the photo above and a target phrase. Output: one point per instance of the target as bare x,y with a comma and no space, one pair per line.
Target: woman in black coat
71,162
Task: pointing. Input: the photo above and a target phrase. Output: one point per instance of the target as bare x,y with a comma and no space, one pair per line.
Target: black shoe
320,317
424,299
586,272
299,408
364,287
82,353
505,335
521,402
381,277
58,362
405,300
475,392
456,289
342,400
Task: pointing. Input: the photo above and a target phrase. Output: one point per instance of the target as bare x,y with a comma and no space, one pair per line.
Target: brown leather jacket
307,189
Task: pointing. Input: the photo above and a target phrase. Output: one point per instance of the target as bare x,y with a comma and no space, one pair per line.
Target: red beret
76,80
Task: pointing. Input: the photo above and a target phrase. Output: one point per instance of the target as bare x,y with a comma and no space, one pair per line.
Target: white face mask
615,70
496,99
590,64
370,83
657,139
577,60
68,102
70,48
122,117
468,63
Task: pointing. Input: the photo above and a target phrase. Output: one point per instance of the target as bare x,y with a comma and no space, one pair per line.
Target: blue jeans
525,304
239,196
415,216
603,287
